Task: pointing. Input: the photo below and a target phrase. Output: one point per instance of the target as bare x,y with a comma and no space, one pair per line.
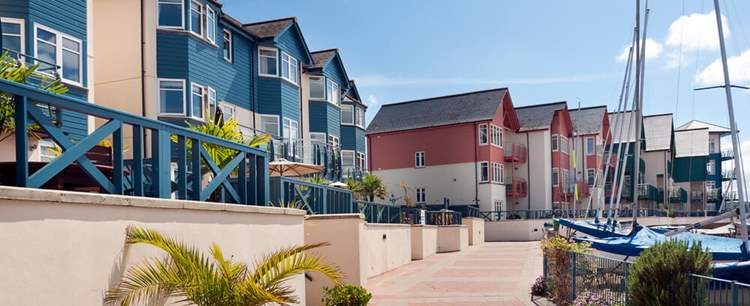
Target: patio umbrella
283,167
338,185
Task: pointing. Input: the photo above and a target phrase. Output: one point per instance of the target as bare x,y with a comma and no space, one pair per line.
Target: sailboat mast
637,110
733,126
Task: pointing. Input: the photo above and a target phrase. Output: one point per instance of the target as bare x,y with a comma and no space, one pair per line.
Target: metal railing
716,291
241,174
380,213
581,213
315,198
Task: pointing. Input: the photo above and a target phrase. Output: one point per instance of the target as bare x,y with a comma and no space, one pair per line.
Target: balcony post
22,141
161,164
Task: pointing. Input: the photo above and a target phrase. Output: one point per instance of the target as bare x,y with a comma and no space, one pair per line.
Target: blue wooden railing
315,198
198,177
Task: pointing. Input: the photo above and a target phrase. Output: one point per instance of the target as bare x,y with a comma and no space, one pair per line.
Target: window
347,114
347,158
57,49
419,159
13,36
711,167
712,146
47,150
289,67
227,110
291,129
333,141
210,24
360,160
590,146
270,124
710,185
170,13
484,172
498,205
555,177
318,139
564,144
496,135
359,117
171,96
196,18
332,92
555,143
590,176
228,45
199,101
566,179
268,58
497,173
483,135
421,195
317,87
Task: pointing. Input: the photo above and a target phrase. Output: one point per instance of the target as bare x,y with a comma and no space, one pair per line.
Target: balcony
515,153
713,194
647,192
727,154
677,195
727,175
318,154
516,188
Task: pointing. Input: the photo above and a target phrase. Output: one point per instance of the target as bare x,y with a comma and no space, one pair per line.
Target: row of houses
477,148
181,60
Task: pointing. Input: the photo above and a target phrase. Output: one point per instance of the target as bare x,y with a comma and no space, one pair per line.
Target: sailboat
721,248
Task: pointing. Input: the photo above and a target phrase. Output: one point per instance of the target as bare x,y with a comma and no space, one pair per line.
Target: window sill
420,167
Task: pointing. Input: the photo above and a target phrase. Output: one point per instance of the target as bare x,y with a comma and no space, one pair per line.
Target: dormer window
268,62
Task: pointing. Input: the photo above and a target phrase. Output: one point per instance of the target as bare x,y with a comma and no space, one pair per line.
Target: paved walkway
494,273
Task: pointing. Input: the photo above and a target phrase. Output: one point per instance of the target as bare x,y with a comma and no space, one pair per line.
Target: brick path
494,273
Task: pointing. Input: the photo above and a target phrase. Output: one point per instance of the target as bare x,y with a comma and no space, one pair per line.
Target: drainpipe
143,63
528,173
476,157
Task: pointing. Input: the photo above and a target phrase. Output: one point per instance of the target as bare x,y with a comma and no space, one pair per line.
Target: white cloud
399,81
696,32
739,71
653,50
372,101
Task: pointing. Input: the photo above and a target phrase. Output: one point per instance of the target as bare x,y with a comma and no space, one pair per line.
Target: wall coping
394,225
424,225
73,197
452,225
477,218
335,216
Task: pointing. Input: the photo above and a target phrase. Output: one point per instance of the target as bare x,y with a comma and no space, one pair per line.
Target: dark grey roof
320,58
588,120
270,28
536,117
453,109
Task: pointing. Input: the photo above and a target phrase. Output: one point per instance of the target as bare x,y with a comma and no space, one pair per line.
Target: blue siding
269,95
352,138
325,118
171,55
336,72
66,16
290,101
290,41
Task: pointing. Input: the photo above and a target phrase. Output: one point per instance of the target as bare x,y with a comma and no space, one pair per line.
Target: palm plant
354,186
372,187
17,71
225,129
318,180
190,276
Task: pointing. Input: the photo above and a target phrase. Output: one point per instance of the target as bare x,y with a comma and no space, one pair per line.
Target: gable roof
269,28
697,124
537,117
431,112
353,94
657,130
588,120
691,142
321,57
622,127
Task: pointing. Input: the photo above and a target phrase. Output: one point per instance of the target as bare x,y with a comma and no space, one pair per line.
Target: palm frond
151,281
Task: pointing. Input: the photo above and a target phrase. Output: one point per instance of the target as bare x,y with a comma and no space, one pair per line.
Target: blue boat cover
721,248
592,228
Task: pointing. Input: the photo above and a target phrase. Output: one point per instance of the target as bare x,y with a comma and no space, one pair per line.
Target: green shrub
346,295
559,262
660,275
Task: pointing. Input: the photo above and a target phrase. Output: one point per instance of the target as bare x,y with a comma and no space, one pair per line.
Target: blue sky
543,51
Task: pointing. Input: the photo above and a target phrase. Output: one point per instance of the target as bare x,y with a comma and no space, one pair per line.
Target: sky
542,51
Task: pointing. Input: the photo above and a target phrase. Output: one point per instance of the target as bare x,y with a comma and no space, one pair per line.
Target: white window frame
293,126
486,129
276,118
497,175
555,174
593,145
484,167
182,15
22,25
59,53
290,62
351,118
359,114
335,97
711,167
184,96
46,149
555,143
322,138
276,61
210,24
310,95
419,159
354,158
201,15
421,195
204,101
228,50
334,141
361,158
496,136
588,175
564,140
227,107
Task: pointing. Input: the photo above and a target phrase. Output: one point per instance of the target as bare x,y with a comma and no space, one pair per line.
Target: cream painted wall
454,181
423,241
306,145
387,247
476,230
8,149
72,244
540,170
514,230
452,238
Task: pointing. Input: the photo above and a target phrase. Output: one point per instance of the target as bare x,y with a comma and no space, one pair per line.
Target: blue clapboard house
353,148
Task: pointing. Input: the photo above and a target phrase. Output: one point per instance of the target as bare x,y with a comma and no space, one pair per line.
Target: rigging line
639,120
679,61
